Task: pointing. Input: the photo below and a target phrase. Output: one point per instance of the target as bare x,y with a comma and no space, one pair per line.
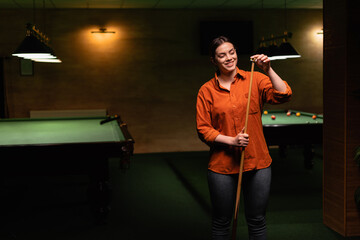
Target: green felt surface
283,119
58,131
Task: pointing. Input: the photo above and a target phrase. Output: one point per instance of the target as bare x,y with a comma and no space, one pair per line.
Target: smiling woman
221,105
225,59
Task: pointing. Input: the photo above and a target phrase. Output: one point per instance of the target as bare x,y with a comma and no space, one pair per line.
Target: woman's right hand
242,139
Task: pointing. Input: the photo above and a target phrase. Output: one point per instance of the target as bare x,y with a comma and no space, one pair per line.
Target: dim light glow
316,35
100,43
102,30
48,60
33,55
102,38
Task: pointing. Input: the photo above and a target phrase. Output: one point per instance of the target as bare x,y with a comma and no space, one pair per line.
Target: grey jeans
255,191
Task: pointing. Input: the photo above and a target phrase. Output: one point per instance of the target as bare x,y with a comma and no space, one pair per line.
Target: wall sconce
35,46
102,30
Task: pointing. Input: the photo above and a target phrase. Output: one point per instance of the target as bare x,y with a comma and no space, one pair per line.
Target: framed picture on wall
243,39
26,67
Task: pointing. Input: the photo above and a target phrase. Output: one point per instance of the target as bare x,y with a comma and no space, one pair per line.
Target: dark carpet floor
161,196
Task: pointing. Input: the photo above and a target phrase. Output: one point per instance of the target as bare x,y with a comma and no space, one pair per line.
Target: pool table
58,146
293,130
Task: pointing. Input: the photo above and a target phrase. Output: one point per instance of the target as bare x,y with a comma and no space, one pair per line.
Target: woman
221,107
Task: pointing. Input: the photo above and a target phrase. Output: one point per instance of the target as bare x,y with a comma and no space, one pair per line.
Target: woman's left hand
262,61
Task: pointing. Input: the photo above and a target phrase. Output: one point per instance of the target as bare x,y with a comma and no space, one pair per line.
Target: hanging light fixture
275,52
262,48
35,46
262,45
284,51
32,47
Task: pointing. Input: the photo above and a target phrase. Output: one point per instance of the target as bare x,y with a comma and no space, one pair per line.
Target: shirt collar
240,74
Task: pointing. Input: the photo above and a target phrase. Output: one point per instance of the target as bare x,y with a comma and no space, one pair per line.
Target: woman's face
225,58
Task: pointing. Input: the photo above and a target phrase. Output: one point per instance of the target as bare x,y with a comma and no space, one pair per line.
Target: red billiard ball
273,117
288,113
314,117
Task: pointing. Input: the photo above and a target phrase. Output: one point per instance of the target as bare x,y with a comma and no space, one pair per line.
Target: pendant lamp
35,47
284,51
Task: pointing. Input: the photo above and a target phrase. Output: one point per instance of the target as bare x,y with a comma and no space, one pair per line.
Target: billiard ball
288,113
298,114
314,117
265,112
273,117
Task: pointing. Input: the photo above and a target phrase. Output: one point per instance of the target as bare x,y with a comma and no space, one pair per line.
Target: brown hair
216,43
212,49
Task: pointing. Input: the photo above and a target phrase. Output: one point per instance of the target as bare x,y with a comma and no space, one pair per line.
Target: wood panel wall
341,116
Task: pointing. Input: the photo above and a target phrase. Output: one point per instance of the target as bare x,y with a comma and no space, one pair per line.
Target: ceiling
163,4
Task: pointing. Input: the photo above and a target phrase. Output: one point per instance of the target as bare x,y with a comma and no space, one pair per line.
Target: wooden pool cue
242,156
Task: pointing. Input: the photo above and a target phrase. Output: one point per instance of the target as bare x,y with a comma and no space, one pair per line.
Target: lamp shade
288,51
284,51
262,50
274,52
31,47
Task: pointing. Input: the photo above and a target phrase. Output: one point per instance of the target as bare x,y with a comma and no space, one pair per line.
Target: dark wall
150,70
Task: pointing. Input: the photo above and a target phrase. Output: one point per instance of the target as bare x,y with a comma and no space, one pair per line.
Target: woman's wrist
225,140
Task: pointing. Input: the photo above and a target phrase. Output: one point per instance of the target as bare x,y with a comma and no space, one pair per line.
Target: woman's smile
226,57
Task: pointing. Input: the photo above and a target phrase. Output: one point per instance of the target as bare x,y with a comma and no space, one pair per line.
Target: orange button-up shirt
220,111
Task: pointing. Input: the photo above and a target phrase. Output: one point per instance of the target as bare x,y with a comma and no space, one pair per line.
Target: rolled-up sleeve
273,96
205,130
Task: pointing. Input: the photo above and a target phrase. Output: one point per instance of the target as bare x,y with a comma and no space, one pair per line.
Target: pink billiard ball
273,117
